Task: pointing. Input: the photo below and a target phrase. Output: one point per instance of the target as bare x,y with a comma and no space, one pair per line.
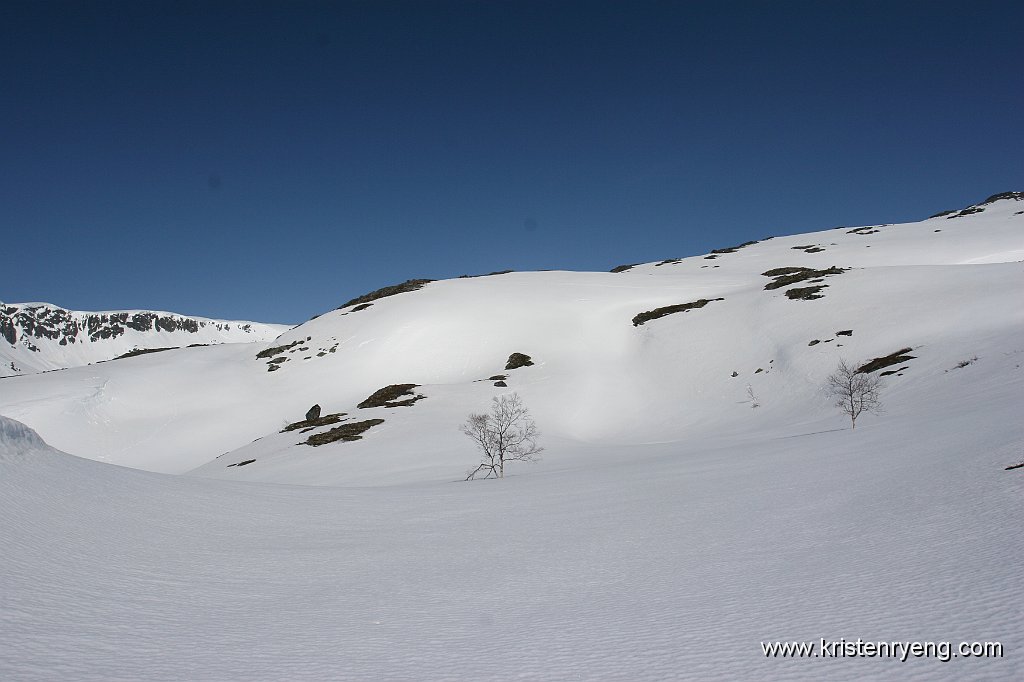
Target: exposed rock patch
404,287
980,207
277,350
308,423
395,395
783,277
733,249
345,433
489,274
805,293
623,268
649,315
68,327
141,351
517,360
896,358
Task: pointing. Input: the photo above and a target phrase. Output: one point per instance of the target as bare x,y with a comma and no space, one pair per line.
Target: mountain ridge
943,288
37,337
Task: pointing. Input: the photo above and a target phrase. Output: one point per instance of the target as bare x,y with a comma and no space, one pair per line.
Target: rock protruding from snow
37,337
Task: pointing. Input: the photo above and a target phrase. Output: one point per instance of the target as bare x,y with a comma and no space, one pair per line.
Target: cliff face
40,336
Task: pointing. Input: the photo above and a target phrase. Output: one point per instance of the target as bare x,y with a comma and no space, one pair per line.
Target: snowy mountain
37,337
613,365
698,498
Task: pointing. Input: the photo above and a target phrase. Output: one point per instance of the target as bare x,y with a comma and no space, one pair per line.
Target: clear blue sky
269,161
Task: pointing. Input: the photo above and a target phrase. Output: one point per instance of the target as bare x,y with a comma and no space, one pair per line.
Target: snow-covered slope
37,337
947,288
657,562
670,529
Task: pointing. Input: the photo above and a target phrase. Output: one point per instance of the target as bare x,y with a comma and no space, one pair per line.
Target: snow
669,529
672,562
35,351
597,379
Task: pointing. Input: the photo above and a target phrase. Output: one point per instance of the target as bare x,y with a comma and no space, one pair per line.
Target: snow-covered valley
698,494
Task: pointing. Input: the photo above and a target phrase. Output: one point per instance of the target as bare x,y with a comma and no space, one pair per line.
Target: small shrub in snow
507,434
855,391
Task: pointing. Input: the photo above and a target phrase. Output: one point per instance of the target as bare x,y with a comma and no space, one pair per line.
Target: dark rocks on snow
649,315
395,395
896,358
517,360
345,432
406,286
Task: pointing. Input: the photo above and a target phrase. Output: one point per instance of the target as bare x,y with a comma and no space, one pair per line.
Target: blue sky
269,161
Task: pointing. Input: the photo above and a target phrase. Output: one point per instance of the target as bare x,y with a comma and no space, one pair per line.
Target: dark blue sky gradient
270,161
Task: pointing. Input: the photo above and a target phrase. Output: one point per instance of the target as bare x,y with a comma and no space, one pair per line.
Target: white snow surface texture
670,528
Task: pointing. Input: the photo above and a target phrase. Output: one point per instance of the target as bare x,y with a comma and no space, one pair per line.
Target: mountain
699,498
38,337
652,353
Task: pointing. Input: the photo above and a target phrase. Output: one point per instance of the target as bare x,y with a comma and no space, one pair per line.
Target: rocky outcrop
66,326
41,336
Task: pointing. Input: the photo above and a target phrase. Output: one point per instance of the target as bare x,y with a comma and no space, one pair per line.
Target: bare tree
855,391
506,434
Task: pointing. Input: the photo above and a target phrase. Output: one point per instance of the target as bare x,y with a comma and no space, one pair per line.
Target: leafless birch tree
855,392
507,434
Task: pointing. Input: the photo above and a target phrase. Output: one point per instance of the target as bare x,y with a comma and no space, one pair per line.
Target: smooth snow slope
948,288
654,563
